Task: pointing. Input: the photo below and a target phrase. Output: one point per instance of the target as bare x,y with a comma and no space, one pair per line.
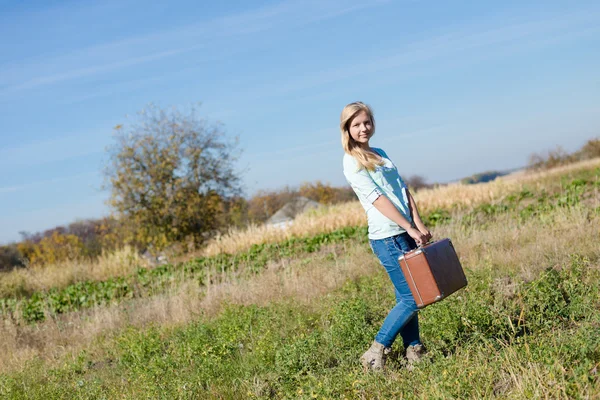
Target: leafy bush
436,217
9,257
52,249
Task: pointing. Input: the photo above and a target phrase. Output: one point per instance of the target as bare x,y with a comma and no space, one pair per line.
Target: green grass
500,337
287,350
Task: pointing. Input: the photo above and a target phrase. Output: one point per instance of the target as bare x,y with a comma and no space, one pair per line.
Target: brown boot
414,355
374,358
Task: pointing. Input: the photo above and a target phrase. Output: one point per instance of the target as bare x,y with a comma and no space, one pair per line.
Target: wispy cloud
159,45
470,42
93,70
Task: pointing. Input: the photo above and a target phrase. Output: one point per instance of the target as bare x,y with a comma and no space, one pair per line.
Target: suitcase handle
421,245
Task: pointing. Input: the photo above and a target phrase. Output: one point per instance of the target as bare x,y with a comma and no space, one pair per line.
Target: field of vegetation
264,313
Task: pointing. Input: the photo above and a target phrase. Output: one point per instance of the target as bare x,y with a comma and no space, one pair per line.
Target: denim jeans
402,319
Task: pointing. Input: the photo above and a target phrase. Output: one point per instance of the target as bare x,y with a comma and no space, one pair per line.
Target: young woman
395,227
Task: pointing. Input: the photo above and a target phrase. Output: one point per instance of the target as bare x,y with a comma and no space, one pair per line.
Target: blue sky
458,87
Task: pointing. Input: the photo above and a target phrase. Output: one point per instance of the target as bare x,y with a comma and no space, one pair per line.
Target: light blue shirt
369,185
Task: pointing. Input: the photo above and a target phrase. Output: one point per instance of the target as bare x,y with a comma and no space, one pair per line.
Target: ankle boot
374,358
414,355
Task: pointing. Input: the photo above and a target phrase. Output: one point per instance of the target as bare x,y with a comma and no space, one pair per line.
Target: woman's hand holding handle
426,233
419,237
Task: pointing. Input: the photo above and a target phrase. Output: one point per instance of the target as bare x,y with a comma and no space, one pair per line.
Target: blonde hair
366,159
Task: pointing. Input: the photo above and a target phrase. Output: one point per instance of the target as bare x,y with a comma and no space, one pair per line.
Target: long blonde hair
366,159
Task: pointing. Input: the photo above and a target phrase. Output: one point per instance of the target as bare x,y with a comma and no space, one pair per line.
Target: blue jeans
402,319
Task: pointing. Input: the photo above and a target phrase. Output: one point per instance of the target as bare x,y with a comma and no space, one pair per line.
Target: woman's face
361,128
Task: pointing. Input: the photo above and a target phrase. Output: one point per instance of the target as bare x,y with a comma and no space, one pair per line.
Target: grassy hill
269,314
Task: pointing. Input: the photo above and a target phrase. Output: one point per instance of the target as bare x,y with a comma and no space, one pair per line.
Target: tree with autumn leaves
170,175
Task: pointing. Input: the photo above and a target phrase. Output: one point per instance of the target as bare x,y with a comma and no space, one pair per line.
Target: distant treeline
558,156
88,239
483,177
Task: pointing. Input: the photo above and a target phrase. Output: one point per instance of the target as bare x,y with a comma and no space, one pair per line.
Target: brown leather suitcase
433,272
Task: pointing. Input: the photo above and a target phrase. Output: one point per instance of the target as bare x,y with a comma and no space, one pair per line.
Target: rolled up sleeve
361,182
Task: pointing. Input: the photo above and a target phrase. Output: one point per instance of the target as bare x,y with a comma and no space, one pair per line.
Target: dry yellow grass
352,214
27,280
530,247
325,219
458,194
